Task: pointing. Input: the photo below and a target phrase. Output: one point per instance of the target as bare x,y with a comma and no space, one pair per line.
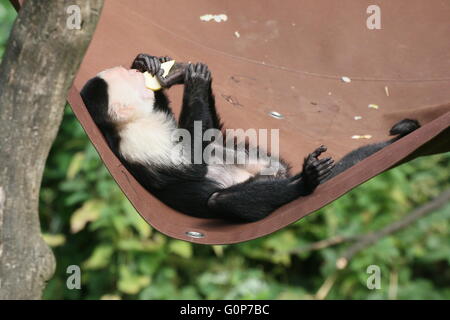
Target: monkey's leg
198,100
255,199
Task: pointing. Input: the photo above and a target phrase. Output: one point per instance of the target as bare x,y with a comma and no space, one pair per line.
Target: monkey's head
117,96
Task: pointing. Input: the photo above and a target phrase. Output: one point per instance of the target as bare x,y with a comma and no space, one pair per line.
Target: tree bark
39,65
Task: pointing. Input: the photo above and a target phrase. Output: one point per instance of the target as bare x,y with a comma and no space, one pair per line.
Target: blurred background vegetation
88,222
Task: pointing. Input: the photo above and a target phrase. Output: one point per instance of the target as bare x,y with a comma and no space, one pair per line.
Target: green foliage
122,257
7,16
88,222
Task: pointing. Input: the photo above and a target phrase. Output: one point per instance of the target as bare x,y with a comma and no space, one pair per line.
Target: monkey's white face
129,99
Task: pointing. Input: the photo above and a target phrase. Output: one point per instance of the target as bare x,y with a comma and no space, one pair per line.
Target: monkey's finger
147,63
319,151
324,162
326,170
325,176
138,66
201,68
156,66
197,67
164,59
324,165
205,71
151,67
189,71
204,68
311,157
207,74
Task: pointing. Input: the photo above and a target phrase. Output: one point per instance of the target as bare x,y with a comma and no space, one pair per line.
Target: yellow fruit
151,82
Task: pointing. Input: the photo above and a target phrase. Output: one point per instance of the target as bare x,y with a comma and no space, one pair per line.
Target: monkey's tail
404,127
400,129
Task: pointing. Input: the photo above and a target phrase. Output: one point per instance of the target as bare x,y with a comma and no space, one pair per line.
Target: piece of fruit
151,82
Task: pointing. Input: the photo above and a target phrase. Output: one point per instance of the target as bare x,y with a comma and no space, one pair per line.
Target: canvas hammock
308,68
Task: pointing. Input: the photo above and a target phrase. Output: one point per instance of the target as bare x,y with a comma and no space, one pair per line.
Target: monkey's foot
315,170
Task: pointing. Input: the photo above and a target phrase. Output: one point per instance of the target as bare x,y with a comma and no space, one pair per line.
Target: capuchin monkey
140,127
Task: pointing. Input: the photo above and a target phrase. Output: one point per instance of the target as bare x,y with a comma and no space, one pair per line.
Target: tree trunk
41,59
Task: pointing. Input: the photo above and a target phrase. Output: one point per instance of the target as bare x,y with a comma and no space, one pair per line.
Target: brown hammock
315,64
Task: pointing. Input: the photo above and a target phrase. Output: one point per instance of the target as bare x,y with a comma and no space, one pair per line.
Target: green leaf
218,250
181,248
100,258
75,165
131,283
90,211
54,240
136,220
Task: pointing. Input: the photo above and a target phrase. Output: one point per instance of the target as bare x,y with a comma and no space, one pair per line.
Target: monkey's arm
198,100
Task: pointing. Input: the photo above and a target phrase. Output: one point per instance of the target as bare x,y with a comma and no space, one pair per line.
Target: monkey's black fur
187,188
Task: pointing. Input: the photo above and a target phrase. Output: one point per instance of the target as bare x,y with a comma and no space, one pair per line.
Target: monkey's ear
121,112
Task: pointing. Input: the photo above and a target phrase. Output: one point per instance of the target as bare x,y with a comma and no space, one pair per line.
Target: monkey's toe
319,151
325,169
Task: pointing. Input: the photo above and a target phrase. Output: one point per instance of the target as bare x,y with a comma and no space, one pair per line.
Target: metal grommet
276,115
195,234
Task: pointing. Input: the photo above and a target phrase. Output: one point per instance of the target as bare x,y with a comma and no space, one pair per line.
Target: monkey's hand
197,75
176,75
315,169
151,64
147,63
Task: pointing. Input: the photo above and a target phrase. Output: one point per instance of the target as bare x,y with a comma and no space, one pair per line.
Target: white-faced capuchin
139,127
